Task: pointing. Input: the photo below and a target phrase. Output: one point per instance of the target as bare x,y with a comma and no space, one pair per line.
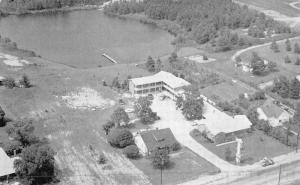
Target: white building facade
159,82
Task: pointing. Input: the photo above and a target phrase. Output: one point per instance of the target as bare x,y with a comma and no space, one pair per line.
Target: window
138,86
152,90
139,92
158,83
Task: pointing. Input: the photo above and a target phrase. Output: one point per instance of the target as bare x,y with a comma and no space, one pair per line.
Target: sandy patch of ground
86,98
13,61
199,59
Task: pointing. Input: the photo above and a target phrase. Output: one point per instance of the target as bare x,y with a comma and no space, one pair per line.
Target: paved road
173,119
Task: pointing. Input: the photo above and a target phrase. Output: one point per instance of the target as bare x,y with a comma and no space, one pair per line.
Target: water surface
80,38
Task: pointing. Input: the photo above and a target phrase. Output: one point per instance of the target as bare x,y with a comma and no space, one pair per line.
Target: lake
79,38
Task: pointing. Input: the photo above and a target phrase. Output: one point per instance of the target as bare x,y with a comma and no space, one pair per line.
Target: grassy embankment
281,6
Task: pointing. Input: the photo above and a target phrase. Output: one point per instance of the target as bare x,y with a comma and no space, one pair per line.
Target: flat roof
217,121
6,164
162,76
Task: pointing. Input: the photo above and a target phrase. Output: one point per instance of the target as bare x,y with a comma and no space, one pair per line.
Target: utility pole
161,168
279,175
298,139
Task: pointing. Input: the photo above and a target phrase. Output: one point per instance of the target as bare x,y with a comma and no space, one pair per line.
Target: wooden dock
109,58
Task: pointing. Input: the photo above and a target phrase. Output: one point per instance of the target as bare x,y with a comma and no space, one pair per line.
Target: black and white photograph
149,92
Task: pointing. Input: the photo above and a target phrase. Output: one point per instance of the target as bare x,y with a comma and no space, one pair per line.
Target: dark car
150,96
121,102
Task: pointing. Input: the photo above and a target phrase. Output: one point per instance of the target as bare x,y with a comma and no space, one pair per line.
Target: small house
158,138
272,113
220,127
6,165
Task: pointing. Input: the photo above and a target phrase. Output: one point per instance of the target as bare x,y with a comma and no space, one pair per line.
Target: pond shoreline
53,10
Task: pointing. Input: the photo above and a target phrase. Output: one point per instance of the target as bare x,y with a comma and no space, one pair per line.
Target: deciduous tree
150,64
119,116
295,89
160,158
36,164
120,137
288,46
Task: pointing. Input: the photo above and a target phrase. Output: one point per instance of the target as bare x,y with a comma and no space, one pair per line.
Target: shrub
24,82
101,159
297,62
259,95
175,146
10,130
131,151
160,158
120,137
9,82
107,126
287,60
226,106
12,146
238,59
228,154
296,48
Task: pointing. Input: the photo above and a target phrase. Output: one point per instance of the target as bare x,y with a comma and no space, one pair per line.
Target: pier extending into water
109,58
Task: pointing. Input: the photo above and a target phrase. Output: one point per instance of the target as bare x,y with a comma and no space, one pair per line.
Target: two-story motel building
159,82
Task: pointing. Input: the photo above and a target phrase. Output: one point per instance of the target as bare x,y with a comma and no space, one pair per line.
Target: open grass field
74,123
184,165
225,91
281,6
256,146
266,53
226,66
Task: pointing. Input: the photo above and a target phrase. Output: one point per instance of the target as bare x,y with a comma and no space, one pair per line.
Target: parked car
121,102
150,96
267,162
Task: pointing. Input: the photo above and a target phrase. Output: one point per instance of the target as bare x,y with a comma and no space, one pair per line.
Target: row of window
148,85
147,90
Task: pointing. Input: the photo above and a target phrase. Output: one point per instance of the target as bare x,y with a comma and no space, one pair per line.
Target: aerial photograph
149,92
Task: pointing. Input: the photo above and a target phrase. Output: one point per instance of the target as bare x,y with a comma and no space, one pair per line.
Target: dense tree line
43,4
204,20
287,89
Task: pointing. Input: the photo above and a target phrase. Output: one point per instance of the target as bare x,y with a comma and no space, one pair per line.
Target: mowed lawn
266,53
184,165
225,91
281,6
255,147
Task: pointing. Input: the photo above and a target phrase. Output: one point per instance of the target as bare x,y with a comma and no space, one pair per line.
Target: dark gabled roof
271,110
158,138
